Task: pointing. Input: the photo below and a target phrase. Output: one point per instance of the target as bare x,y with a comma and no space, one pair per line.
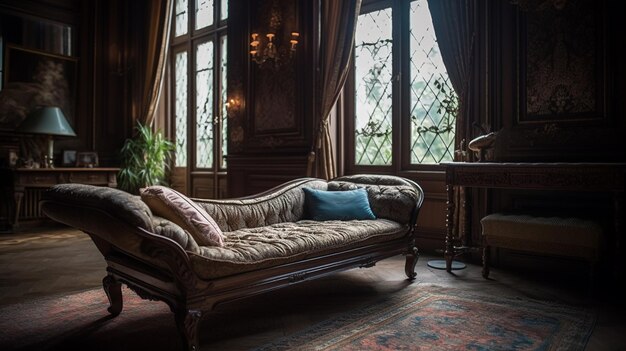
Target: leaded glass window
433,101
224,10
373,81
223,97
403,103
180,109
204,105
199,98
180,18
204,13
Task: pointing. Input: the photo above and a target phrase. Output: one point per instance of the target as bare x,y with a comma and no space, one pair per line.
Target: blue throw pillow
337,205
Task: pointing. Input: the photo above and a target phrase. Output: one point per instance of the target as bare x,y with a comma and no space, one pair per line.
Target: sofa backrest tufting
390,197
271,207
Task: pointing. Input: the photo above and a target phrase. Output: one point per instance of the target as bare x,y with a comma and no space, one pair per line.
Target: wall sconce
268,50
232,106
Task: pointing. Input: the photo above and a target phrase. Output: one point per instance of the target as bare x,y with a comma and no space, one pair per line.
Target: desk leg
618,202
449,252
18,195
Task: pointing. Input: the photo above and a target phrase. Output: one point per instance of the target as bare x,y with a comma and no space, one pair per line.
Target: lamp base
441,264
48,160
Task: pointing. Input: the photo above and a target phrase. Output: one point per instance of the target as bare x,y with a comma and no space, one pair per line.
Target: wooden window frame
401,99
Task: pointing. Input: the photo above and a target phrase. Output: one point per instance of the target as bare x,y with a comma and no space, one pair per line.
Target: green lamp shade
47,120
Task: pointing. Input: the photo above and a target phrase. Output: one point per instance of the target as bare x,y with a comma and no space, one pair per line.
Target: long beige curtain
338,24
455,24
158,34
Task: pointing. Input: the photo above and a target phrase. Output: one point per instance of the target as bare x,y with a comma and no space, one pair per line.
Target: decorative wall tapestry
562,56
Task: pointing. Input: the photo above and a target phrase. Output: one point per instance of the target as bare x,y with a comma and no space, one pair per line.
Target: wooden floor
58,260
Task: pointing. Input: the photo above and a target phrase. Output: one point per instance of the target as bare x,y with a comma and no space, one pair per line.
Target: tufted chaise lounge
268,242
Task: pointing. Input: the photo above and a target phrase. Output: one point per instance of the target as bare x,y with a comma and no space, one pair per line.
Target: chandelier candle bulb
254,44
272,50
294,40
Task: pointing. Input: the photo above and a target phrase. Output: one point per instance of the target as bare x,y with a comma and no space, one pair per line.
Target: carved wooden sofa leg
113,289
187,321
411,261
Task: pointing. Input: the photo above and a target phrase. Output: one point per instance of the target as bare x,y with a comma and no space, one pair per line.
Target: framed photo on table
87,159
69,158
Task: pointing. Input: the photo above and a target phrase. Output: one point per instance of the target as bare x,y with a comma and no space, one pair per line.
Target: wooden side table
46,177
608,178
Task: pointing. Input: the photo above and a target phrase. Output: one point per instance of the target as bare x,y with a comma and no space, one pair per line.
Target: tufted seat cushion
249,249
567,236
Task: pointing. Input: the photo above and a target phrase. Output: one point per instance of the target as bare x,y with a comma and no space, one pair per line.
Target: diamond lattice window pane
433,100
223,96
373,82
224,10
180,109
181,18
204,13
204,105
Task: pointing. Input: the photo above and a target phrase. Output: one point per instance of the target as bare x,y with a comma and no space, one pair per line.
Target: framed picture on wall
33,79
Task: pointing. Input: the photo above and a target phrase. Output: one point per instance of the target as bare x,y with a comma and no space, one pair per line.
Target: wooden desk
583,177
46,177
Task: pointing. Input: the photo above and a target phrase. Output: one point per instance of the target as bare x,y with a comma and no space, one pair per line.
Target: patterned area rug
416,318
80,321
434,318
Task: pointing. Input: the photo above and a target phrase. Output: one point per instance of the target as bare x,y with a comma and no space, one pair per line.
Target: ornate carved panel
562,56
275,80
274,96
555,80
275,100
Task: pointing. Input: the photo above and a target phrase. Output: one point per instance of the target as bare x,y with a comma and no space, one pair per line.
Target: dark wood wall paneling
63,12
117,74
556,88
270,131
561,81
431,221
108,45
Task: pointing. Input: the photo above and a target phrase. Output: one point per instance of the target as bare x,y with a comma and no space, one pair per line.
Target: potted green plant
145,159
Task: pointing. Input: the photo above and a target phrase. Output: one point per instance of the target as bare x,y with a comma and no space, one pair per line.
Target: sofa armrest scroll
119,204
120,223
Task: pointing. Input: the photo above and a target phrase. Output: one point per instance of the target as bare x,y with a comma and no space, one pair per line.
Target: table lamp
49,121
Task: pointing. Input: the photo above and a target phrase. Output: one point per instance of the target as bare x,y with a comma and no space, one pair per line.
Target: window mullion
399,52
216,100
404,105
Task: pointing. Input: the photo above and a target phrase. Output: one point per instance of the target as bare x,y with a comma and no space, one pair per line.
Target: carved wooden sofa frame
158,268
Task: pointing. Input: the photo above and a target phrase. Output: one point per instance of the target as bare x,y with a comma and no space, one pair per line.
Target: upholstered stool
571,237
